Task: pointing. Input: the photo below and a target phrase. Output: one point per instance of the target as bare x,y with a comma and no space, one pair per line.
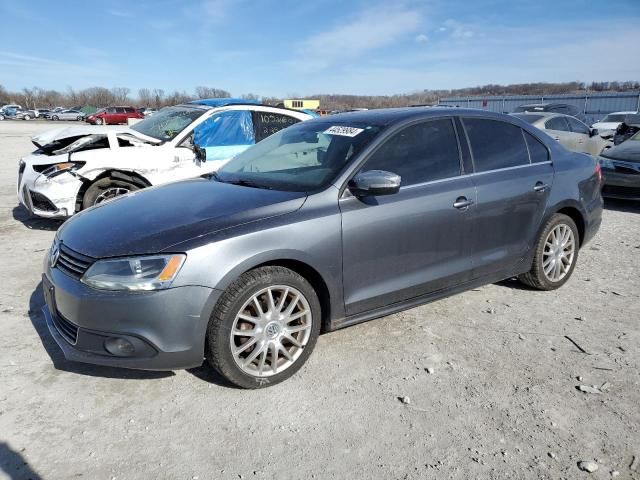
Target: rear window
495,144
557,123
537,151
529,118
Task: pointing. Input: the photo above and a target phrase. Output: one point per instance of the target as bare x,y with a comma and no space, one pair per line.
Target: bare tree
209,92
158,95
120,94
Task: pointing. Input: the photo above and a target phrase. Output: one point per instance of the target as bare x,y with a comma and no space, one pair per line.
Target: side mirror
593,132
201,153
374,182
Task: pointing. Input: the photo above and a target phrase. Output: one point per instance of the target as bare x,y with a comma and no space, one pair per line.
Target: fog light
120,347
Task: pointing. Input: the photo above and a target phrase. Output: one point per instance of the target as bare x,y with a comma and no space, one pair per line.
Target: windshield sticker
343,131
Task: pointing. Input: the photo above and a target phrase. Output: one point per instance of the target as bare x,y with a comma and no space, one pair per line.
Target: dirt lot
499,399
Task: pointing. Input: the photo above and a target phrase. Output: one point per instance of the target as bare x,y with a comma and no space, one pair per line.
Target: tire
79,118
284,286
27,117
1,117
106,189
548,255
99,121
55,118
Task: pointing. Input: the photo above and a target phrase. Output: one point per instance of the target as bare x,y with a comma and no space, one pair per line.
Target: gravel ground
479,385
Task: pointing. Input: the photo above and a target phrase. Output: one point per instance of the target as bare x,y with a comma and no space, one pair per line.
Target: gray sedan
328,223
68,115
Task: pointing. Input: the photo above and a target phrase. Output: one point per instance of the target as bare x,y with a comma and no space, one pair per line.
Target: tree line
157,97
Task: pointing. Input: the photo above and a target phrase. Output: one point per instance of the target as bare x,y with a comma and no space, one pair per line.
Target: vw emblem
54,255
272,330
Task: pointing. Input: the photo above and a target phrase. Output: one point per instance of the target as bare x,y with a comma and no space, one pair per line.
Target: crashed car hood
152,220
43,139
629,151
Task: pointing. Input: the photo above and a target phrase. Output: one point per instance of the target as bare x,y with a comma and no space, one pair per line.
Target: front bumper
621,185
47,197
166,328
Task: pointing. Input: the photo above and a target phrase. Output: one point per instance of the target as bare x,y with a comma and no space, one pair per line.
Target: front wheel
55,117
27,117
99,121
556,254
264,327
106,189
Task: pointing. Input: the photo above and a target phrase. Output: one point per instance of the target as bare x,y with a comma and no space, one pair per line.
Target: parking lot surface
486,384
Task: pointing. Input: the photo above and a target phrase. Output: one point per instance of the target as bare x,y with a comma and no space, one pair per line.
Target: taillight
599,172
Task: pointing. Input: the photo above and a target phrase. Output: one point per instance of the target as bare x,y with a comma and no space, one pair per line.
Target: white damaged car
77,167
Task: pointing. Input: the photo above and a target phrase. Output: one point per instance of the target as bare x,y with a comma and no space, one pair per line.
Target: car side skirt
339,323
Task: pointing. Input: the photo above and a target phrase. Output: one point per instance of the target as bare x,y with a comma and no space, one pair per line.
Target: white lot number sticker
343,131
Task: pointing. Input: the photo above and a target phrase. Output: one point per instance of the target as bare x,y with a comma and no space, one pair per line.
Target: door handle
556,138
540,187
462,203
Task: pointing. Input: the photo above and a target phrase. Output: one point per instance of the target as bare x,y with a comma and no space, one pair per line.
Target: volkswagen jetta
325,224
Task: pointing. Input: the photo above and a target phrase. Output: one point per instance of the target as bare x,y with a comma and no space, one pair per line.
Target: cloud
422,38
457,29
120,13
372,29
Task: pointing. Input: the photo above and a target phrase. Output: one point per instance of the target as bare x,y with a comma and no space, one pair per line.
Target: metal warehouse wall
593,105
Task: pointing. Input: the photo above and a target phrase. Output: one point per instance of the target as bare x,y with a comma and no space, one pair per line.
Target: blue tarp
223,102
225,134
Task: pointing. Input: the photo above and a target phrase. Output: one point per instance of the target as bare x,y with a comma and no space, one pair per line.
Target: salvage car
325,224
627,129
611,121
114,116
67,114
75,168
567,130
621,170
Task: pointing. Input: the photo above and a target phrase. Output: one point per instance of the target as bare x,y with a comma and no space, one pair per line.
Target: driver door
400,246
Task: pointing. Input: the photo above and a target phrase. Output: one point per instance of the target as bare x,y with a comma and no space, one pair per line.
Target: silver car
68,115
567,130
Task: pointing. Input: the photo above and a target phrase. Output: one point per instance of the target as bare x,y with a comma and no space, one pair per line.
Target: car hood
606,125
41,140
628,151
152,220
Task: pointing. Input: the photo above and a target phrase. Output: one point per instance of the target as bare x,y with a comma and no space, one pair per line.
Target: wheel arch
575,214
125,175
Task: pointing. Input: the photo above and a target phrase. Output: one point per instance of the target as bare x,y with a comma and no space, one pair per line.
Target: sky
289,48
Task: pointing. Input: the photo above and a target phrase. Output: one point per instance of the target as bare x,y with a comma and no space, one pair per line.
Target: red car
113,115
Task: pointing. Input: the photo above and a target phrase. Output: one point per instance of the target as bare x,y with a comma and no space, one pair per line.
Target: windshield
613,118
168,122
301,158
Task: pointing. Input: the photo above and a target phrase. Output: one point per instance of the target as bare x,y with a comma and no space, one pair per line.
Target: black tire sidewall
218,337
99,186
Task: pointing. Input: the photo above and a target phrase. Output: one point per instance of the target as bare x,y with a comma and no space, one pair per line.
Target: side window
119,110
266,124
225,134
557,123
420,153
495,144
537,151
111,110
577,126
129,110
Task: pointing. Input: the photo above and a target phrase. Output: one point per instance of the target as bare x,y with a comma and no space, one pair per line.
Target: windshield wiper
247,183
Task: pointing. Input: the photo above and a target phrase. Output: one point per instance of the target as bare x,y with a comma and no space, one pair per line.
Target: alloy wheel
110,194
559,252
270,331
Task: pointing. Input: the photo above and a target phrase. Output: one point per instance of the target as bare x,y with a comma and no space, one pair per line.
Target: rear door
559,129
513,177
400,246
584,141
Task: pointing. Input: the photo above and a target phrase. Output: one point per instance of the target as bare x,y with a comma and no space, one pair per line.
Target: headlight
606,163
58,168
134,273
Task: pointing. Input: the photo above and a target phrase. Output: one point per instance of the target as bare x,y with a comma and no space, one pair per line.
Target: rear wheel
79,118
264,327
556,254
55,117
27,117
107,189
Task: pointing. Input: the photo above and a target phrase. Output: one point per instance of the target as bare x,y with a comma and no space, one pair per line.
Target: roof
223,102
388,116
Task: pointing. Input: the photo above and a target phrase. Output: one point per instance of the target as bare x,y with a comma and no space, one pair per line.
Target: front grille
73,263
65,328
40,202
